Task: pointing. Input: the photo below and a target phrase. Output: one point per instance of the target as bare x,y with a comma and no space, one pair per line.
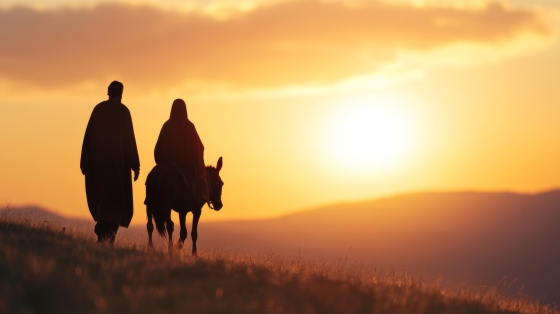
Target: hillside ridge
47,269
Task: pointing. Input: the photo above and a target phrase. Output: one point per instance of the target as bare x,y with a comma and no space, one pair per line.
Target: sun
369,134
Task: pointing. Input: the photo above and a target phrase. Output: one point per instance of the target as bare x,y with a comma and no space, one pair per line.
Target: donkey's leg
183,235
194,232
150,227
170,228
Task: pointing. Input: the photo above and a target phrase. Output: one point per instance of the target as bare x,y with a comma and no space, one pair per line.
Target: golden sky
309,102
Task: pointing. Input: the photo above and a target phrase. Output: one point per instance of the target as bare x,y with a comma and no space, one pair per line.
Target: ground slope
48,269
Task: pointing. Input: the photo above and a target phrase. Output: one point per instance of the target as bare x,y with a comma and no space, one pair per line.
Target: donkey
165,190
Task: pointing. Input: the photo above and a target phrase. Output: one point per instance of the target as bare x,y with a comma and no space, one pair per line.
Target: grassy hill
47,268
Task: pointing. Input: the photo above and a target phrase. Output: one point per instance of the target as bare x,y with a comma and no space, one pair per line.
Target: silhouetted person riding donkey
179,144
109,154
180,181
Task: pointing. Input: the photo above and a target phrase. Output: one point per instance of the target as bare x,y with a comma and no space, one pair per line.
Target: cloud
283,44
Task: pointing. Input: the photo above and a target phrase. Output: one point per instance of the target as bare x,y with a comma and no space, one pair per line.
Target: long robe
179,143
109,154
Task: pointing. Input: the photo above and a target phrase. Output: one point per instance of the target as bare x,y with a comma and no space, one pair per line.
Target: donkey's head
216,185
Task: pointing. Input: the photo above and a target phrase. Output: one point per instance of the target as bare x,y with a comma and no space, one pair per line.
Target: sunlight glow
369,134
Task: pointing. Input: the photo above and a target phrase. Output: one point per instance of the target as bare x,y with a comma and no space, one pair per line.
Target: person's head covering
115,89
178,110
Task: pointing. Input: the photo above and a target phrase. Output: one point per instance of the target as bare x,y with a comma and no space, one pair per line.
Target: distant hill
465,236
474,237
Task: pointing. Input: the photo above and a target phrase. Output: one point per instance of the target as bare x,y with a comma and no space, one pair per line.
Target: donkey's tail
153,202
160,220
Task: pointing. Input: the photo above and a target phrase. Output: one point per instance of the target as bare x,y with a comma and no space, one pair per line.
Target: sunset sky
309,102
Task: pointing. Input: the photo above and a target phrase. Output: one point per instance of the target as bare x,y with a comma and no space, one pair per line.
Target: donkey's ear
220,164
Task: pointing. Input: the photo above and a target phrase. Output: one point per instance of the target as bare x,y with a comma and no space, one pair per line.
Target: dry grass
47,269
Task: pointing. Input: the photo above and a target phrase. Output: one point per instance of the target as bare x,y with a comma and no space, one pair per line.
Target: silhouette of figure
108,154
179,144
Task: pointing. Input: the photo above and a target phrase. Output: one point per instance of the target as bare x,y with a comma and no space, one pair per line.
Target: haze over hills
479,238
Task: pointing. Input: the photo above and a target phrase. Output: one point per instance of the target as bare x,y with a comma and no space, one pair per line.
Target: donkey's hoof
180,245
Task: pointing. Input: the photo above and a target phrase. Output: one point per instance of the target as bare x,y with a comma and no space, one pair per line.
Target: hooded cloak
178,143
109,153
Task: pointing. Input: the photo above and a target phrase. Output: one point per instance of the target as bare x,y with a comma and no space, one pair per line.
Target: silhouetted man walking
109,153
